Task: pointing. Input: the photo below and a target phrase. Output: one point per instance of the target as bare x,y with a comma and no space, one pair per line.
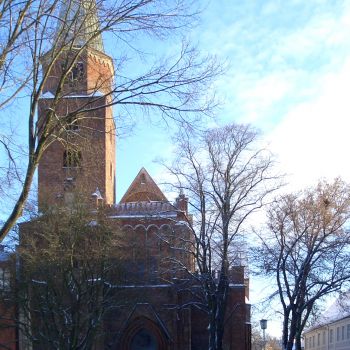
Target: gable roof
143,189
339,310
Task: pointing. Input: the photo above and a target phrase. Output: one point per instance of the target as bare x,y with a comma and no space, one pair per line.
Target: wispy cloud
289,75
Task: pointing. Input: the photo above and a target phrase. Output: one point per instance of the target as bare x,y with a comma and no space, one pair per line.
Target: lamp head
263,324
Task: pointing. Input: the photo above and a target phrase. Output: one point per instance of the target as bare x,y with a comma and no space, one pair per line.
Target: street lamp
263,325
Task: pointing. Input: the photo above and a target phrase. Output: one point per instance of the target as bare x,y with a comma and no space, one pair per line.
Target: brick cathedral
83,163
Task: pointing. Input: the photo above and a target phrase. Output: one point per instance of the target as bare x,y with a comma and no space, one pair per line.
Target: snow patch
50,95
47,95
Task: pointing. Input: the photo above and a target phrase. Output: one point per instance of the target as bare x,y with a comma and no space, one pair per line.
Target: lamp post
263,325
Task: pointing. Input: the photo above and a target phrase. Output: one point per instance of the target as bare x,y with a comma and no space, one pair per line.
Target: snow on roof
50,95
97,194
145,286
237,285
93,223
143,216
182,223
47,94
337,311
144,209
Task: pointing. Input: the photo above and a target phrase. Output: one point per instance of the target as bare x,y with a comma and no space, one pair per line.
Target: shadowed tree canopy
69,271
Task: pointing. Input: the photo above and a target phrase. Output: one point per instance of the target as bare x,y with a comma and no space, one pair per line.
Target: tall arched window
76,74
143,179
71,122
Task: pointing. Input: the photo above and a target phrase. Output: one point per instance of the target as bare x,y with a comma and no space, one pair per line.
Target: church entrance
144,340
143,334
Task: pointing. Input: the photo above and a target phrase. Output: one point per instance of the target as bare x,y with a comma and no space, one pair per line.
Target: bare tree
36,35
68,279
306,249
227,178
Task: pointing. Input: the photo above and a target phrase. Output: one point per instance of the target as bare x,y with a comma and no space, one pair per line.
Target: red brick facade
156,309
82,158
154,315
8,310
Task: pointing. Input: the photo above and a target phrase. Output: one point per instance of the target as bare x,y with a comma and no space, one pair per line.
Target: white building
332,332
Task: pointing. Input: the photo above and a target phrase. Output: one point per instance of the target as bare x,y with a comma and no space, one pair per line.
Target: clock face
144,340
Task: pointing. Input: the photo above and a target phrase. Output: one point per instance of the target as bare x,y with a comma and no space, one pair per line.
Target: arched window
143,179
71,122
76,74
71,159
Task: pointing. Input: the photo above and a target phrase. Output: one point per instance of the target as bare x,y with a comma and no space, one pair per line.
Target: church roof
154,209
78,20
143,189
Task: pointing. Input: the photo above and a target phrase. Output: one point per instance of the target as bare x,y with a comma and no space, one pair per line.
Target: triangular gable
143,189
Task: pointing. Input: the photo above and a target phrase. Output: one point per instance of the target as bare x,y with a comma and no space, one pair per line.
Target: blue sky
288,74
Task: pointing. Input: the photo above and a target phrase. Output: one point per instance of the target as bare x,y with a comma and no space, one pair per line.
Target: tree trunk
217,317
298,342
18,208
292,332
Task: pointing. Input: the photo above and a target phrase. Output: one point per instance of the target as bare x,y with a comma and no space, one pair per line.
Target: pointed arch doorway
144,340
143,334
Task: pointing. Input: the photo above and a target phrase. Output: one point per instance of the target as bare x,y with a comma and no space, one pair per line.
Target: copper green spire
78,21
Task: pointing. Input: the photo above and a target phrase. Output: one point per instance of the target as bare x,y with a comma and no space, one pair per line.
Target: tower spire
79,22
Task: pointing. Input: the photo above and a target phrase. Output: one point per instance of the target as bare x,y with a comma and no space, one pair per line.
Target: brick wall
93,137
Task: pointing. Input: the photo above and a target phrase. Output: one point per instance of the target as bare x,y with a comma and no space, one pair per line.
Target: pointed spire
97,194
78,21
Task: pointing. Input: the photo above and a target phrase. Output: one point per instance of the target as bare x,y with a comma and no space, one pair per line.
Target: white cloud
312,140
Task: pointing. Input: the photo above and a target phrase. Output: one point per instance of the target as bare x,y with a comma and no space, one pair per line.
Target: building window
71,159
313,341
4,280
338,333
69,199
318,339
143,179
76,73
331,335
71,122
343,333
324,337
348,331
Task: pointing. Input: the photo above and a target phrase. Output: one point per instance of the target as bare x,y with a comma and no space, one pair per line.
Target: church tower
81,158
